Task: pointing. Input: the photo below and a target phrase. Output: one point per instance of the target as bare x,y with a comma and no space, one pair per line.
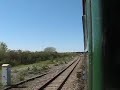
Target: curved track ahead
59,80
54,83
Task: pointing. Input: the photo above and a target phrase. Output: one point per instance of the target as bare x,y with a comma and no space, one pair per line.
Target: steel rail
55,77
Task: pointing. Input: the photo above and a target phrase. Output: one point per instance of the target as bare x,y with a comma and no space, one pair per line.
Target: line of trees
17,57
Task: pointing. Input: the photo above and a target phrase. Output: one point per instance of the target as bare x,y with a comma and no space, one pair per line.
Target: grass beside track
23,72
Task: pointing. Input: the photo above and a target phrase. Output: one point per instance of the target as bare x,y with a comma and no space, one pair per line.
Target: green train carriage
101,39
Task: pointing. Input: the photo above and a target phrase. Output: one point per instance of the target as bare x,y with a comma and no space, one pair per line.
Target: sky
36,24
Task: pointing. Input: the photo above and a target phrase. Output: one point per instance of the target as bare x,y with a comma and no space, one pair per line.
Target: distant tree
3,47
50,49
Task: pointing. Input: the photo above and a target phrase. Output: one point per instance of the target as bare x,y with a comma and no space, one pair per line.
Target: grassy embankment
22,72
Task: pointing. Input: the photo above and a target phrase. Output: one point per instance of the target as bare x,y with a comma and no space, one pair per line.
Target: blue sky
37,24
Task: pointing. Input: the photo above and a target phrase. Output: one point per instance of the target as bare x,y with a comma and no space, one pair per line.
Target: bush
18,57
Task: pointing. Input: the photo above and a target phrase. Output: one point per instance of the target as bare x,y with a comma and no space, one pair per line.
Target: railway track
54,83
59,80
